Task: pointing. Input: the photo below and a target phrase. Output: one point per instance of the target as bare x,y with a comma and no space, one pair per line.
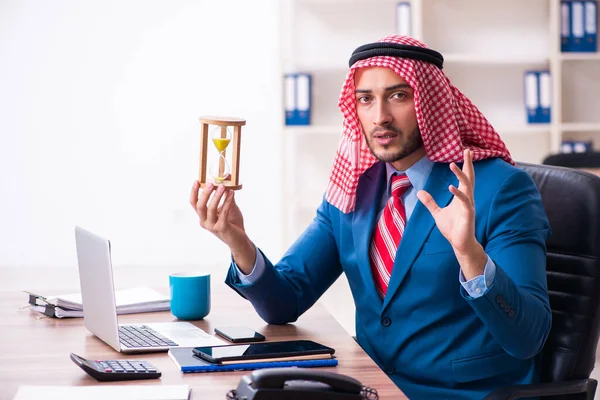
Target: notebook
186,361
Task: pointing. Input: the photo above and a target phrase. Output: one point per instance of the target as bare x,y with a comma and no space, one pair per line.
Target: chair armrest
545,389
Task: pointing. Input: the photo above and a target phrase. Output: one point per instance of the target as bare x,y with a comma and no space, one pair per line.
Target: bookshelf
487,47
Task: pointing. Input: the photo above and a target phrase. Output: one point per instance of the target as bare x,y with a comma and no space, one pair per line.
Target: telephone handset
300,383
277,379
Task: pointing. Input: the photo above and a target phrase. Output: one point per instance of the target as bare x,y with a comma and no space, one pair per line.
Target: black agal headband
396,50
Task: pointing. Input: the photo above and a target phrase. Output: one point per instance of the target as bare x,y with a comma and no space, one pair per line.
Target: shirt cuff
259,267
478,286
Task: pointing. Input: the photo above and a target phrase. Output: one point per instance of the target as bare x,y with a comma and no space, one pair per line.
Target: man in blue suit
448,275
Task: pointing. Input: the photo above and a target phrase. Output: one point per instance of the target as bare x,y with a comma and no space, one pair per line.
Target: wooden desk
34,349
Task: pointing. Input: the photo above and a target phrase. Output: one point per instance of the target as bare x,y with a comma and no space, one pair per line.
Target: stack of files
185,359
129,301
579,25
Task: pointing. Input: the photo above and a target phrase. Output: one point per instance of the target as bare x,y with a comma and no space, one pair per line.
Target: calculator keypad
125,366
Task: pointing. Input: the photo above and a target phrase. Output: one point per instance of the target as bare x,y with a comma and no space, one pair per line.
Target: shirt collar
417,173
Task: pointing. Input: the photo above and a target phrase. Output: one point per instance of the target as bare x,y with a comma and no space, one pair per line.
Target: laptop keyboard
142,336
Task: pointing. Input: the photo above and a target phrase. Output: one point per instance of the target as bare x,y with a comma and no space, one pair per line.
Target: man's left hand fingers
468,166
465,184
428,201
462,196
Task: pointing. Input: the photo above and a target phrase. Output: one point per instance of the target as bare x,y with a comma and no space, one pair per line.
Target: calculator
116,370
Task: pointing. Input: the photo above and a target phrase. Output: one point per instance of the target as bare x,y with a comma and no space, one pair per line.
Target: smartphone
239,334
266,350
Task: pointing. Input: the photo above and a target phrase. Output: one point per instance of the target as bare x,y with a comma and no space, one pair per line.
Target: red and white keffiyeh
448,121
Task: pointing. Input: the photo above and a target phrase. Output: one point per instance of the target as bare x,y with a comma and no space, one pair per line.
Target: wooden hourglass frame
223,122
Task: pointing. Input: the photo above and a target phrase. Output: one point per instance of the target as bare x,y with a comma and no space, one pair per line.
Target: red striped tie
388,234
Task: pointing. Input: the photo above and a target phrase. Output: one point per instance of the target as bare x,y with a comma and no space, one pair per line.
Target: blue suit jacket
427,334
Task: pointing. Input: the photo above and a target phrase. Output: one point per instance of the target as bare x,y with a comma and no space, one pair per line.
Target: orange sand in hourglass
221,144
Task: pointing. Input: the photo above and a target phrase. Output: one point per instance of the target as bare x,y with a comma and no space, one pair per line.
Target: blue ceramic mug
190,295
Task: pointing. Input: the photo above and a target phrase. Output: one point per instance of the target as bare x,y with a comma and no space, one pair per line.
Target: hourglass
225,134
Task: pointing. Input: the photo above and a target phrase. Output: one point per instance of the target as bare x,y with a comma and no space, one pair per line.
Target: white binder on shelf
303,98
545,90
565,26
403,19
577,26
531,96
289,100
590,26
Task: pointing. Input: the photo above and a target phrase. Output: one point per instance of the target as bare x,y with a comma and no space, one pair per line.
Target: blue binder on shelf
532,101
403,19
565,26
538,96
577,26
187,362
545,93
289,102
298,98
590,36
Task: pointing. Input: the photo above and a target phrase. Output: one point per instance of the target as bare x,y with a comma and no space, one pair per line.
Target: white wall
99,107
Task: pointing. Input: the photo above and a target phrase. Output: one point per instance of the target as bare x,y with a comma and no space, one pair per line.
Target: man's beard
413,143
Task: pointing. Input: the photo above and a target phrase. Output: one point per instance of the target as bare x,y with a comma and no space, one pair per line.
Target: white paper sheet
129,392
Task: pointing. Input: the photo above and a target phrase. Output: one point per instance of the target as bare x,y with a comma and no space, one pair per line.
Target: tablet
263,350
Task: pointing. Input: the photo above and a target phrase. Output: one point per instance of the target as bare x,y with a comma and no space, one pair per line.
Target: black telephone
299,383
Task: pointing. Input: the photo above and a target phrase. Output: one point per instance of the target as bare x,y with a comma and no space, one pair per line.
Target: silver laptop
100,309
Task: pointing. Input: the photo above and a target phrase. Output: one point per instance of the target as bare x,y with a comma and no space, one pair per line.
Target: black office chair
589,159
572,201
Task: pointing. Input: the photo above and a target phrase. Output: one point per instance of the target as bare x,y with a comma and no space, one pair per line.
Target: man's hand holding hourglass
220,215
